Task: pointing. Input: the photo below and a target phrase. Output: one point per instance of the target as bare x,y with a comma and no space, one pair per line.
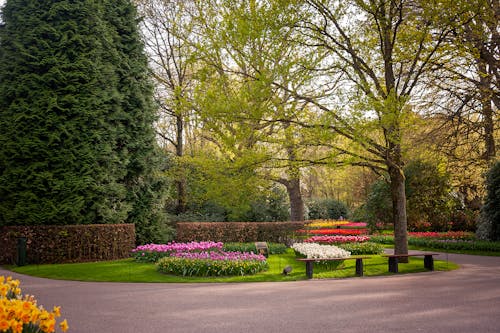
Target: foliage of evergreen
77,144
490,213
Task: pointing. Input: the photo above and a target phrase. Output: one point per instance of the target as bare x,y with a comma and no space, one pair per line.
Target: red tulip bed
350,236
334,227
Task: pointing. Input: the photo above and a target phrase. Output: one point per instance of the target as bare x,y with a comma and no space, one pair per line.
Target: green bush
207,267
324,209
362,248
430,205
274,248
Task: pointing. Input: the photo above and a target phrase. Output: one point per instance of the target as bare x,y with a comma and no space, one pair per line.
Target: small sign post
262,248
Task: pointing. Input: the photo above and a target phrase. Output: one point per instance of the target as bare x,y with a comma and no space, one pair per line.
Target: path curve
461,301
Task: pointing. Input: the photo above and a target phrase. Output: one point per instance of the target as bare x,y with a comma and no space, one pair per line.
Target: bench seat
393,260
309,264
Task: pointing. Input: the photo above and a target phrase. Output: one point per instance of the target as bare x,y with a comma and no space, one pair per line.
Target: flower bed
337,239
153,252
344,232
213,264
19,314
320,224
457,235
315,250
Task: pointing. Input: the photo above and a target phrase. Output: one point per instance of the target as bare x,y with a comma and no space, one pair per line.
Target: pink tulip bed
200,259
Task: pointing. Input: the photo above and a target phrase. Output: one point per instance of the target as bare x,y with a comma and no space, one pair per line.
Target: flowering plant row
462,235
315,250
318,224
334,231
337,239
153,252
20,314
209,267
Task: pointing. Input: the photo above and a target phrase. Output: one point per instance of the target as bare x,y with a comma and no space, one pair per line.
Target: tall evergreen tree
76,144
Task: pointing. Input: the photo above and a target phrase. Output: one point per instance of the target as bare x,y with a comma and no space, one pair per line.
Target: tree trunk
486,94
398,197
296,202
181,177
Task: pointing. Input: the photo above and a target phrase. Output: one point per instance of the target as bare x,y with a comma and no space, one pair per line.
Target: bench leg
309,269
393,264
359,266
429,262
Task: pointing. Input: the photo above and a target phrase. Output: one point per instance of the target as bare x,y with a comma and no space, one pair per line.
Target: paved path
465,300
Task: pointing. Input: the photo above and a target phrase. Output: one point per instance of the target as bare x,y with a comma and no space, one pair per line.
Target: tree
246,48
469,81
166,29
490,213
380,49
77,144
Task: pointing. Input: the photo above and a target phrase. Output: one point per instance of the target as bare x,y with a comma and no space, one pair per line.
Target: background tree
166,28
490,213
77,144
381,49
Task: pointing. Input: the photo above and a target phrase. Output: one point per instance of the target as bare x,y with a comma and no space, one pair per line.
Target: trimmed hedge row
68,243
277,232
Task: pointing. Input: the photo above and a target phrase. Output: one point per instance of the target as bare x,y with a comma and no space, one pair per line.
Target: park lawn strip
127,270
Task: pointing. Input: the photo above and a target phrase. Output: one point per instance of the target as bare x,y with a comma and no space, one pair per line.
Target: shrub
428,194
209,267
326,209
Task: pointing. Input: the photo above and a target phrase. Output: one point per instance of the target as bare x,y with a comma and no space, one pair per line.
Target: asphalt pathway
465,300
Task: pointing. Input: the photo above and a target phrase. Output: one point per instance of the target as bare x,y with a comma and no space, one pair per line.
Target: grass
128,270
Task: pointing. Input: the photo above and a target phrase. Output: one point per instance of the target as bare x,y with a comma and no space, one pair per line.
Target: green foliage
207,267
429,200
271,205
449,245
274,248
490,212
362,248
77,142
324,209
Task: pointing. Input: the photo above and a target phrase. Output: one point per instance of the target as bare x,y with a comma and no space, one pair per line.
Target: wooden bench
393,260
309,264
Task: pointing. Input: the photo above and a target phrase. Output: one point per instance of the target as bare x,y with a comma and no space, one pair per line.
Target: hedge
69,243
277,232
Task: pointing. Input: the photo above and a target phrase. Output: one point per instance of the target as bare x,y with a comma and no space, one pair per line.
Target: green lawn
128,270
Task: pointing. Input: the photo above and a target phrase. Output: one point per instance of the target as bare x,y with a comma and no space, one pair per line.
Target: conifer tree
77,144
